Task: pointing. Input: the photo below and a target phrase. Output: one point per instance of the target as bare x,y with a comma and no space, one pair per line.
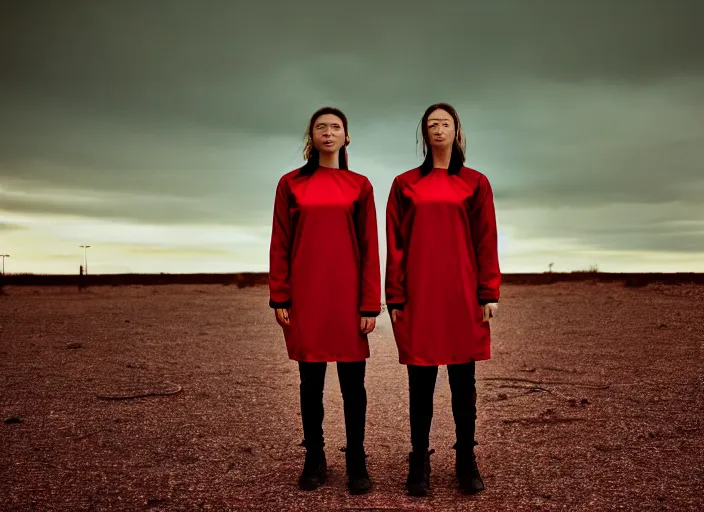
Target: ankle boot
314,470
358,481
418,481
470,481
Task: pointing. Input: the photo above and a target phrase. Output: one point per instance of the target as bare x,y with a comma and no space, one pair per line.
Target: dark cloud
182,112
658,227
217,63
140,208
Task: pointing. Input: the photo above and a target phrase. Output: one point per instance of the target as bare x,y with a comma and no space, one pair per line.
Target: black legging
354,395
421,385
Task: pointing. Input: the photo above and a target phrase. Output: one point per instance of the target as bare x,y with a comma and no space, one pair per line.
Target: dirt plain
592,401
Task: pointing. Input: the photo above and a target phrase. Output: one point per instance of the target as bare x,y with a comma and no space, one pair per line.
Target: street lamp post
3,262
85,256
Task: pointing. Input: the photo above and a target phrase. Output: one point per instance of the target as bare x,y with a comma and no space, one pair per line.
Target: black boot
468,476
418,481
358,481
314,470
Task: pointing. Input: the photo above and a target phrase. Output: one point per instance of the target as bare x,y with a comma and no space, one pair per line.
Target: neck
331,160
441,157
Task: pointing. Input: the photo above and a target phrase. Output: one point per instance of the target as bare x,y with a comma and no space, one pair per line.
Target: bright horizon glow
50,245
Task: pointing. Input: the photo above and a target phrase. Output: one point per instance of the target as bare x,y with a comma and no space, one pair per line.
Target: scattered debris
555,382
177,389
539,421
555,369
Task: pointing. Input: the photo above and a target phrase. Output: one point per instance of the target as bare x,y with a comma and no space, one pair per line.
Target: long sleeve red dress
442,265
324,263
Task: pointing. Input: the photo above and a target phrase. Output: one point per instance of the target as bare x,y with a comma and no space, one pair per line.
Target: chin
440,145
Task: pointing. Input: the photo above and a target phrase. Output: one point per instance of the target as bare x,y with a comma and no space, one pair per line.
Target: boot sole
310,486
357,492
470,490
416,492
466,488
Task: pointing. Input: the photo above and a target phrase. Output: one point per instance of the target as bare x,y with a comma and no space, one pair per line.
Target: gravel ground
592,401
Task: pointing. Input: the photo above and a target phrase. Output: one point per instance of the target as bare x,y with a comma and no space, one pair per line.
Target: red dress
324,263
442,264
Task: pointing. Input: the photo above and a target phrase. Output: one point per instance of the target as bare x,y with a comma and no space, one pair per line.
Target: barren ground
592,401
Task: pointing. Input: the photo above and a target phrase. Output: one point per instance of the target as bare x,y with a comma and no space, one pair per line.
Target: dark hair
458,146
310,153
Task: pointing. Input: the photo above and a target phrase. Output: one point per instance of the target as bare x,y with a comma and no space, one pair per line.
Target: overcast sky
156,131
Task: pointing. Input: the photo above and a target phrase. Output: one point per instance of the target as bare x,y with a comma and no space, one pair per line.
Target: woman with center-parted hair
325,287
442,286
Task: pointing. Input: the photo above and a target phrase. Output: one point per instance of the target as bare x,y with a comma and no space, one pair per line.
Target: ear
347,140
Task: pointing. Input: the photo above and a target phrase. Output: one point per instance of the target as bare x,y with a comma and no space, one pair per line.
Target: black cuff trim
487,301
369,314
279,305
391,307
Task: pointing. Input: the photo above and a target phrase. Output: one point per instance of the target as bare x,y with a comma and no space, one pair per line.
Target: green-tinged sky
156,132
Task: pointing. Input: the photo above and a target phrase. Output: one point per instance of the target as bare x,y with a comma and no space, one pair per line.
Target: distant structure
550,267
81,279
85,256
2,276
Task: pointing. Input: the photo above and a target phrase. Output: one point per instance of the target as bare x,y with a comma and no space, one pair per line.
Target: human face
328,133
441,129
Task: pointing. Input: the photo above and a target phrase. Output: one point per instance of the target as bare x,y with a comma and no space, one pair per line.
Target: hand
489,311
396,314
282,317
367,324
